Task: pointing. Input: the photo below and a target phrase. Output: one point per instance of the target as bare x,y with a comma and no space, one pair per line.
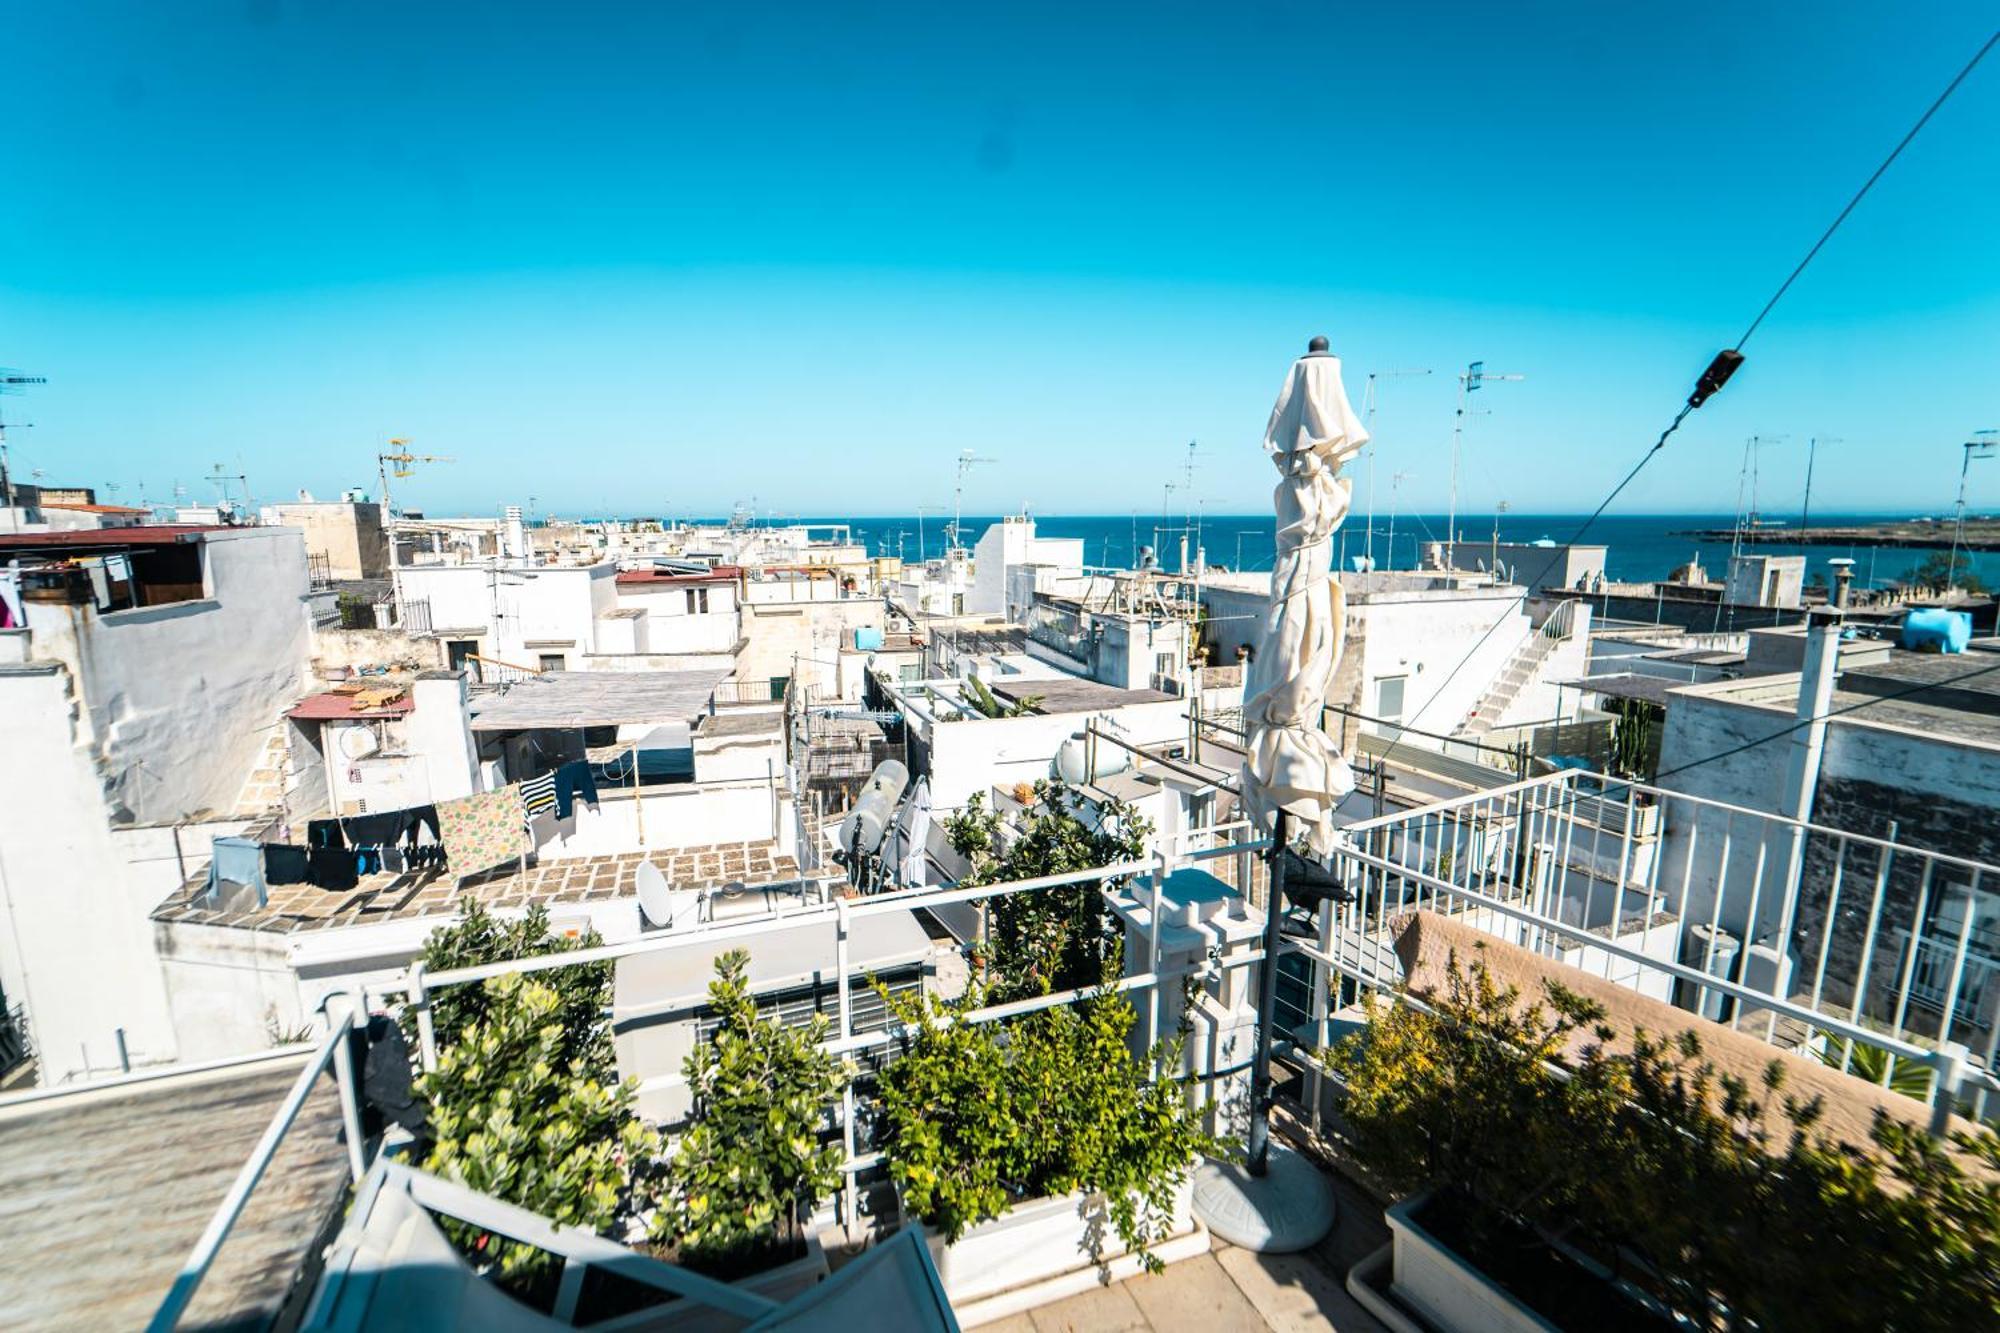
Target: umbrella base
1288,1208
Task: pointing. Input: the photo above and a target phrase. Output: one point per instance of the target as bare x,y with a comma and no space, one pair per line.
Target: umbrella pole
1267,1005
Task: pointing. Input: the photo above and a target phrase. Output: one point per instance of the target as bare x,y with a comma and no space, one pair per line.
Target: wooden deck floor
102,1195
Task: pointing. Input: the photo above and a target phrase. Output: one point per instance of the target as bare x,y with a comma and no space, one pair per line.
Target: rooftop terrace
413,896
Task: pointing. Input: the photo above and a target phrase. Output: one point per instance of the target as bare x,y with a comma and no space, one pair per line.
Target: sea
1642,547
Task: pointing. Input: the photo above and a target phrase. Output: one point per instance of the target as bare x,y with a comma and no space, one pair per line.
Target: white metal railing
1570,866
336,1050
1791,931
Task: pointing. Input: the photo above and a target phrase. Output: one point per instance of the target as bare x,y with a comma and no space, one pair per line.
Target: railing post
339,1011
1950,1067
1267,1003
841,926
420,1000
1161,869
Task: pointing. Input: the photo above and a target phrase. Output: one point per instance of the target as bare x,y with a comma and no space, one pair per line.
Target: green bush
981,1116
750,1168
478,937
1668,1172
1045,942
512,1116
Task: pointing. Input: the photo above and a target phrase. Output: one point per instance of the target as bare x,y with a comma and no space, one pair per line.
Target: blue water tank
867,639
1932,629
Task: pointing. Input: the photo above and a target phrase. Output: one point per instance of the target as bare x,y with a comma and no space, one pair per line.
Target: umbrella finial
1319,344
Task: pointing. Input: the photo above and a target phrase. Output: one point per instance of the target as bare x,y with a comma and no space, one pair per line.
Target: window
697,601
1389,697
457,650
552,662
1163,664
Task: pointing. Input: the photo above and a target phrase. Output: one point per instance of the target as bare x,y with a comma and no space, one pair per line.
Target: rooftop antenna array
397,461
967,460
1469,381
11,381
222,478
1369,402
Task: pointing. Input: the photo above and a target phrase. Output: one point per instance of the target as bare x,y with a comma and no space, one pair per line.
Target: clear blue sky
656,259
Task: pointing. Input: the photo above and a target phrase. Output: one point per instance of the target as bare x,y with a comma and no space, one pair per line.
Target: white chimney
517,537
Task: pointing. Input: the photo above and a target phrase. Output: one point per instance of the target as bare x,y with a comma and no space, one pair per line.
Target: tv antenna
222,479
397,463
1469,381
967,460
12,381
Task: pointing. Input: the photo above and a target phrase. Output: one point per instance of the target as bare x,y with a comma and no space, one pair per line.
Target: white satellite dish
359,742
662,908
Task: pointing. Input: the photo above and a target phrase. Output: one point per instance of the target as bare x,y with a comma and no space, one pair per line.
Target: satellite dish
359,742
660,905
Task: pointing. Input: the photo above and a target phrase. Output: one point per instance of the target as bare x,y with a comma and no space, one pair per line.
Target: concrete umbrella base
1288,1208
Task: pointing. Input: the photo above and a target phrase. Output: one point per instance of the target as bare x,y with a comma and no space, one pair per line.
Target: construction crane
396,463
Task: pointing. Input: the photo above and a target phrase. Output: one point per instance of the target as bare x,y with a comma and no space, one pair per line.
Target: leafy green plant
750,1167
1879,1067
1055,940
983,700
512,1116
1722,1199
478,937
1940,570
981,1116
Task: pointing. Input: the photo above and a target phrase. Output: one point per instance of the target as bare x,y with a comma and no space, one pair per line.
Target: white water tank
875,812
1074,765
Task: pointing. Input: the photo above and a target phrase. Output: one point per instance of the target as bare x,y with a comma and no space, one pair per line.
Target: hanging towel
330,868
237,861
482,831
377,829
538,797
571,781
325,833
422,817
284,863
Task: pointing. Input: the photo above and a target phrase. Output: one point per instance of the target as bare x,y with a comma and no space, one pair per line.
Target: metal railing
336,1050
1810,938
16,1047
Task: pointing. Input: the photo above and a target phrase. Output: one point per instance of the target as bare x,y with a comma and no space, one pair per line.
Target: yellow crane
397,463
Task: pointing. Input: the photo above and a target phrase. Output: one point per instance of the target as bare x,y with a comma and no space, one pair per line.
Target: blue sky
660,259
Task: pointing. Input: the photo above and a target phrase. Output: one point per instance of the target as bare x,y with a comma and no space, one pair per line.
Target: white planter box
1446,1290
1043,1241
780,1284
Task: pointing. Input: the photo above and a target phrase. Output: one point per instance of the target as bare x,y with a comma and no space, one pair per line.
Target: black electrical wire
1922,120
1720,369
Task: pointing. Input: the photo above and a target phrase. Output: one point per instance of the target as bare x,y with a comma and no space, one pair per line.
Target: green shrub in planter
478,937
511,1117
750,1168
1055,940
1665,1172
981,1116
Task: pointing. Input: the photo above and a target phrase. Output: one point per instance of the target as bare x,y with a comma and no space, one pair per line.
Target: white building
1429,653
534,617
1008,545
141,713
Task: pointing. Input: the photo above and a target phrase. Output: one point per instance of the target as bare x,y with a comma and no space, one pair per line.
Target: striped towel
538,796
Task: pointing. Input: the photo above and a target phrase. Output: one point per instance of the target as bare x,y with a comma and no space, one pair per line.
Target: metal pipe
1267,1001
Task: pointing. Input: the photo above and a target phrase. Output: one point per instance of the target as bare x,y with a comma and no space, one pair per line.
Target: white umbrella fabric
1292,764
917,834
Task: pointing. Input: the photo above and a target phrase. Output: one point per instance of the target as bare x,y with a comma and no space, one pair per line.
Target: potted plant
1557,1173
736,1193
1037,1150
